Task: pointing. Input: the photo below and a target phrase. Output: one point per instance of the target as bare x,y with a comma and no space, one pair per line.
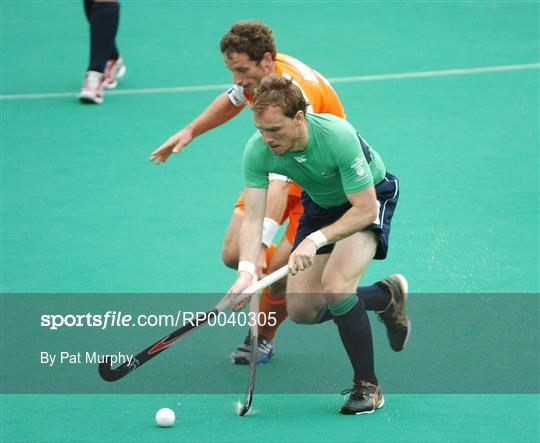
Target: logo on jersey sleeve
359,166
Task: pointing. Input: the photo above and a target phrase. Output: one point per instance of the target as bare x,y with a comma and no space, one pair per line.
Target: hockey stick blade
110,374
252,376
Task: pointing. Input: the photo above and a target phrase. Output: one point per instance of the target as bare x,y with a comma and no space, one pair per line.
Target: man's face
246,72
279,132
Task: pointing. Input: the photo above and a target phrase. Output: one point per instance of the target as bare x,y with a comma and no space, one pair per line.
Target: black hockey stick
253,307
110,374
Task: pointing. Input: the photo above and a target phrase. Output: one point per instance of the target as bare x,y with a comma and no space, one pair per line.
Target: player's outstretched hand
243,281
302,257
175,144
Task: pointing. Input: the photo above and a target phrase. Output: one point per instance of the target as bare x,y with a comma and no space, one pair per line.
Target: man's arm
220,111
363,212
250,237
276,202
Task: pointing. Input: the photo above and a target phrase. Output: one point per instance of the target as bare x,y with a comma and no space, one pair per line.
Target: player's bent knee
334,291
300,315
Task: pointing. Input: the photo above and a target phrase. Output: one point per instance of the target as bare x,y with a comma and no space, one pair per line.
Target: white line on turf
444,72
359,78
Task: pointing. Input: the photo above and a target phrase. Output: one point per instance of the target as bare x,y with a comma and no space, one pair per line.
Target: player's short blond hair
280,92
251,37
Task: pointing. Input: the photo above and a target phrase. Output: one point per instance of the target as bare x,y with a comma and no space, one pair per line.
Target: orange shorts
293,210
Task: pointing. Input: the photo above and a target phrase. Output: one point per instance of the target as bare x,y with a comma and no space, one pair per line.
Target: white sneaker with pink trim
92,90
114,70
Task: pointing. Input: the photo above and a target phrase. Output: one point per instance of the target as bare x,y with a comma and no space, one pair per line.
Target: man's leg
103,16
104,21
337,277
378,297
273,302
305,298
230,256
388,296
273,308
88,8
346,265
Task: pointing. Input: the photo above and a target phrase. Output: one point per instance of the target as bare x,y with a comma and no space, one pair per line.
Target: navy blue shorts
315,217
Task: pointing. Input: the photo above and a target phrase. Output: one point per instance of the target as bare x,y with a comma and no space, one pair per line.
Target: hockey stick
109,374
253,307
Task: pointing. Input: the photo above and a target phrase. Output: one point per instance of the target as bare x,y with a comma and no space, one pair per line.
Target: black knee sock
355,333
103,26
375,297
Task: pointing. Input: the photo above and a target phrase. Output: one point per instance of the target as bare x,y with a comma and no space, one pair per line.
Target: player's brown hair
278,91
251,37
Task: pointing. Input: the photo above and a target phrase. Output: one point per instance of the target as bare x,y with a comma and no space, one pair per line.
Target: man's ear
267,61
299,117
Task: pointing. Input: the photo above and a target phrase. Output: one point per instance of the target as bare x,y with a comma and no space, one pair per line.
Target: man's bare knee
335,290
301,316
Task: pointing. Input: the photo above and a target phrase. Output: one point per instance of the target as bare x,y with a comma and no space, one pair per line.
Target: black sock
355,333
375,297
103,26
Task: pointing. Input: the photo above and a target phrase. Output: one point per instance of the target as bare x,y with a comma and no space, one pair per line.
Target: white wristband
318,238
236,95
272,176
247,266
270,227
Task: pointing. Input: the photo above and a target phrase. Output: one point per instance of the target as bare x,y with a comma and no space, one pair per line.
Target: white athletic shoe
92,90
242,355
114,70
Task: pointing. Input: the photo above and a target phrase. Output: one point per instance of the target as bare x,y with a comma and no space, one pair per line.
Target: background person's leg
104,67
104,21
88,8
